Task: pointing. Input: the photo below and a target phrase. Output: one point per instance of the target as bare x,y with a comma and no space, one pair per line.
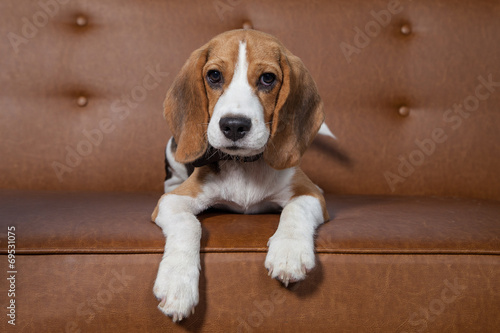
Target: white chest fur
251,188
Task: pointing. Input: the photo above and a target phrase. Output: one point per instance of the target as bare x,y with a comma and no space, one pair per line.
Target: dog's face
242,89
244,94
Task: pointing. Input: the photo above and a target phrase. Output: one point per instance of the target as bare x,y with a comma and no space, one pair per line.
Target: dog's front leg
291,248
176,284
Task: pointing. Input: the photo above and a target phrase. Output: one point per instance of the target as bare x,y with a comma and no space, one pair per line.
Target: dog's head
244,94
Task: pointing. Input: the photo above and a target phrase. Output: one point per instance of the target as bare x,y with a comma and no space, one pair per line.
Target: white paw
176,286
289,259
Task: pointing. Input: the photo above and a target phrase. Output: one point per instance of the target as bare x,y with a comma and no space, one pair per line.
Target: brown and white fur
242,110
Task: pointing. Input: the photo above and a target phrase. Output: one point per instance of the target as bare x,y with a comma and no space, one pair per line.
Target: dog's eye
267,79
214,76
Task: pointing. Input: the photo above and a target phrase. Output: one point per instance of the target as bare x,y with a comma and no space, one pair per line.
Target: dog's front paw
176,286
289,259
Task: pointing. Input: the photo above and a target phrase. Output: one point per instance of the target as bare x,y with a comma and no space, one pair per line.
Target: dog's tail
324,130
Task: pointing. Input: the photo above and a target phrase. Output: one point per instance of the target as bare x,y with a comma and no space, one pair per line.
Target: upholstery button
406,29
404,111
82,101
81,21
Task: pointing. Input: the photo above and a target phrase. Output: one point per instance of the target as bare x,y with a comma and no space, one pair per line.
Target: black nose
235,128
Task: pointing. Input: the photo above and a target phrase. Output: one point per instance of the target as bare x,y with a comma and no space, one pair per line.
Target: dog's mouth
241,152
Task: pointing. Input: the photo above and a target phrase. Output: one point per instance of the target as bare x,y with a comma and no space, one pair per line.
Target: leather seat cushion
71,222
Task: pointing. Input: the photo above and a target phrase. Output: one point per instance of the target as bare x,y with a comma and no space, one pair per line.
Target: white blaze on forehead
239,94
240,80
239,100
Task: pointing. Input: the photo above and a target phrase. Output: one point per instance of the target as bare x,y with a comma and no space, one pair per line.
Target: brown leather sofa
411,90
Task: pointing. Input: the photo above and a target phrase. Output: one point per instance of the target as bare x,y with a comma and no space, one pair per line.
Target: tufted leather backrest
411,90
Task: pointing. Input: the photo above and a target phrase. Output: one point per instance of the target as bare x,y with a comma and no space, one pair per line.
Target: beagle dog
242,111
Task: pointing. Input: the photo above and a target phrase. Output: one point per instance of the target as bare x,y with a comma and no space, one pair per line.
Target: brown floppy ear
186,108
297,117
